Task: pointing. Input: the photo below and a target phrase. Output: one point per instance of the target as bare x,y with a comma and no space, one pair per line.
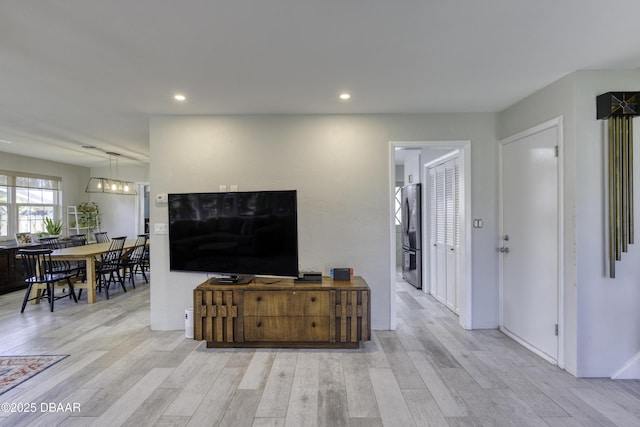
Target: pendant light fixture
111,185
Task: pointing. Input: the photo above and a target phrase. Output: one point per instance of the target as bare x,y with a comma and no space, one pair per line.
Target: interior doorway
430,150
142,208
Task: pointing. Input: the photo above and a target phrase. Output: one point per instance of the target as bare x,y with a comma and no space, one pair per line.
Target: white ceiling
77,72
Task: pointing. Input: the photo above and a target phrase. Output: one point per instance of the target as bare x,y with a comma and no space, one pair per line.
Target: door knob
504,250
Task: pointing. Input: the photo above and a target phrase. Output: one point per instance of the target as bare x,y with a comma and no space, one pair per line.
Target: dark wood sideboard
11,272
331,314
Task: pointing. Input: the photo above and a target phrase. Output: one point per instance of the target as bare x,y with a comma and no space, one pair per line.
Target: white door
441,242
451,226
433,232
444,238
529,240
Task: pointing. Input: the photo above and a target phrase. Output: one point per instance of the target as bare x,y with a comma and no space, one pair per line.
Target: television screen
237,233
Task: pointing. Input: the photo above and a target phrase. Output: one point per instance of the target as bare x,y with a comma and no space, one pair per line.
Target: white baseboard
525,344
630,371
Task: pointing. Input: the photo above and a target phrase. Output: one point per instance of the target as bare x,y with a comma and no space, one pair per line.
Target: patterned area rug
16,369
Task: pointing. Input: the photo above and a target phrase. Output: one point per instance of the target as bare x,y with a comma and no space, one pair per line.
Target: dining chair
146,257
80,240
59,266
133,261
109,264
40,272
101,237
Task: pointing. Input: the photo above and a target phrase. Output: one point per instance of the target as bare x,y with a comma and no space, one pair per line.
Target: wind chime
619,108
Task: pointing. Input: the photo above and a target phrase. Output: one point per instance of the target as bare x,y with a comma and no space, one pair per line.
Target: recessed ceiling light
179,97
344,96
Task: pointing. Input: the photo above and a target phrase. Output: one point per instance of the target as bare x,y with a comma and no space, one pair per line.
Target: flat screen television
234,234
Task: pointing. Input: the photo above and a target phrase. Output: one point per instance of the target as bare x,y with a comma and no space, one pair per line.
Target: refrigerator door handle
407,215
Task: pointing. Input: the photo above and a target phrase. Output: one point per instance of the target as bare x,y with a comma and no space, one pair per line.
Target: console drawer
275,328
286,303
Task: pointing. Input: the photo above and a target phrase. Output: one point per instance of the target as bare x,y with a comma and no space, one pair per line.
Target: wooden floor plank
129,402
361,400
606,407
424,409
216,402
303,399
429,371
275,398
448,400
394,410
192,394
257,371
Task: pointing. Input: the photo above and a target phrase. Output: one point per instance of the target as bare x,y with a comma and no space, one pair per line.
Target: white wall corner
630,371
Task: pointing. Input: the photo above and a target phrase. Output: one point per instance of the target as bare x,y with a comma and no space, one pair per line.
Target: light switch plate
162,198
161,228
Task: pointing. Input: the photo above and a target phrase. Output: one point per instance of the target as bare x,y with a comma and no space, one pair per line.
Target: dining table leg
91,279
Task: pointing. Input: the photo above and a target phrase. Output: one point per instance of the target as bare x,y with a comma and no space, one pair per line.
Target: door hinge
556,329
557,151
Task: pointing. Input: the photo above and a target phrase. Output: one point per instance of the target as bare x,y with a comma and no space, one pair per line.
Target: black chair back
113,255
101,237
53,243
78,239
34,263
50,242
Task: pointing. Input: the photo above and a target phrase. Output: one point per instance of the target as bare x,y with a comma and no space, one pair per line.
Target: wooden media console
331,314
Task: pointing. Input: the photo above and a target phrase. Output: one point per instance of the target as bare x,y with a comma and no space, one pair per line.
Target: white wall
340,167
412,167
118,213
608,309
602,321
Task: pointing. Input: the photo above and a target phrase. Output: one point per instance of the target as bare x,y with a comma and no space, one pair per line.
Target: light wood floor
429,372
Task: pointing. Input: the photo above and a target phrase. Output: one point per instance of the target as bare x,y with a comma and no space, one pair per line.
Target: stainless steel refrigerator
412,235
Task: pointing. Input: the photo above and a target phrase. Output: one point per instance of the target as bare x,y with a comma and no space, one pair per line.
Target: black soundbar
309,278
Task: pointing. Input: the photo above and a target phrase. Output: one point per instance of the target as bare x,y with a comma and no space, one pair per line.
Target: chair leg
107,282
50,286
72,292
26,297
121,280
132,273
143,273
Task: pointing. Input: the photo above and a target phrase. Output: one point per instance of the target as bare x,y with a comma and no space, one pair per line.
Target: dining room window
25,201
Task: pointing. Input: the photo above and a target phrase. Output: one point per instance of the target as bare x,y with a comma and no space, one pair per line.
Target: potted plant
52,227
88,215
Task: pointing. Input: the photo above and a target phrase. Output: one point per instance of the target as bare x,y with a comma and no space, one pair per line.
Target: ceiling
77,72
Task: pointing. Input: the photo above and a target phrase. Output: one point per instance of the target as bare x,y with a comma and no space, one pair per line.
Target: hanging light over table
111,185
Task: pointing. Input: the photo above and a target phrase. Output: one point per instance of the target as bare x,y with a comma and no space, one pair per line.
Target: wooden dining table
87,253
